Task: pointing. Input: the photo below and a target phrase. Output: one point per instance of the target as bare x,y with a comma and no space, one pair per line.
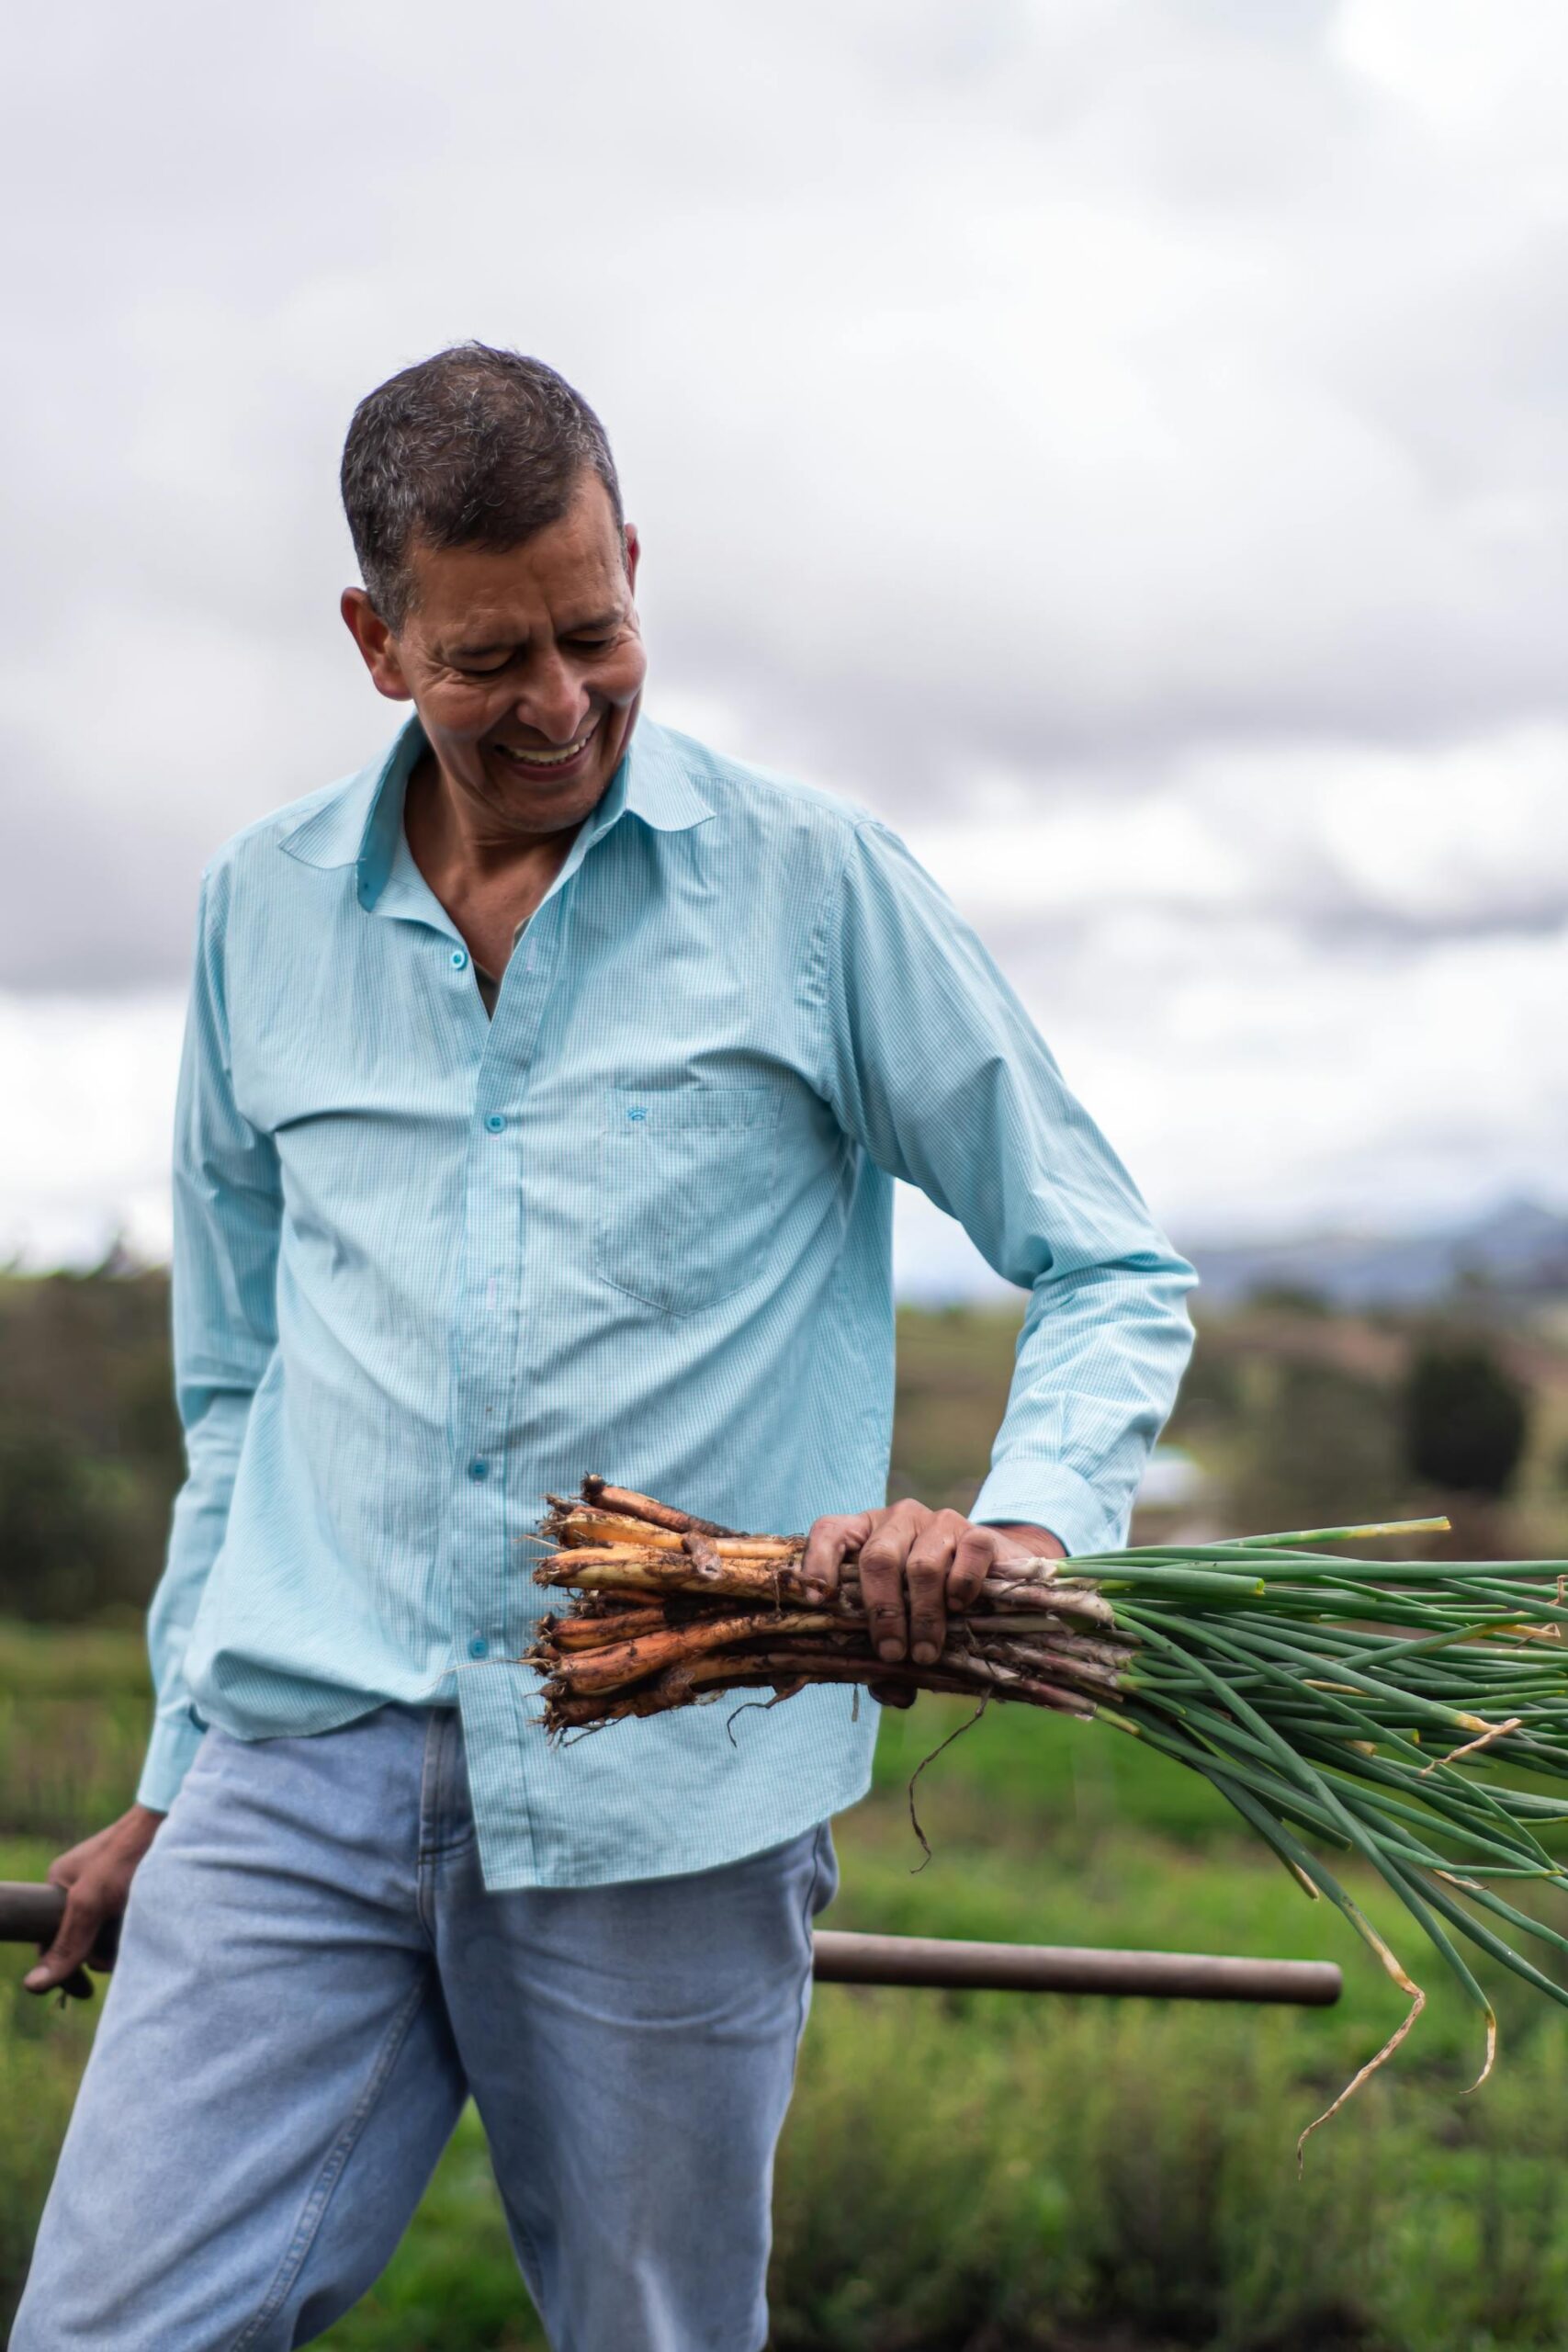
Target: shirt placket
489,1334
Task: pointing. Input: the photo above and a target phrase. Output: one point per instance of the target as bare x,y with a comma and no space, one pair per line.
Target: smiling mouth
541,763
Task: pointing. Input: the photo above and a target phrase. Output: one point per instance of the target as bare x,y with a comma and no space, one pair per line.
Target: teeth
544,759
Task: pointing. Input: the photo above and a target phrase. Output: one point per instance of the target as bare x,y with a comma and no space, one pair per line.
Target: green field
989,2171
959,2174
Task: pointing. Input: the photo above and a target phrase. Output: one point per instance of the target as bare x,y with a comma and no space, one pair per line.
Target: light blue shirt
429,1265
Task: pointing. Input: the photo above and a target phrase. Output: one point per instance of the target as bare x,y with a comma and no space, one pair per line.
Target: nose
554,701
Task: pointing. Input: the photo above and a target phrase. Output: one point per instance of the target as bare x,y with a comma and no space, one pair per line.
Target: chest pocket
687,1177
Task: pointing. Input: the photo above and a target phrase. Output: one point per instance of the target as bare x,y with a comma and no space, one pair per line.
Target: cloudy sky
1124,442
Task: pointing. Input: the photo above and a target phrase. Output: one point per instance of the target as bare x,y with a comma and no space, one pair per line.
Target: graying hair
473,447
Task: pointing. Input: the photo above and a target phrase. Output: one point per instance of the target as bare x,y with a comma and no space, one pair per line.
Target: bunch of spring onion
1337,1703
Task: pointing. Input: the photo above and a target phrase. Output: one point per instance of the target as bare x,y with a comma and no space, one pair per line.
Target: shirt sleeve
228,1208
937,1071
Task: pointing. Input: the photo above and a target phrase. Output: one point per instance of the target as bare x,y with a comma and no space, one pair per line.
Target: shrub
1466,1419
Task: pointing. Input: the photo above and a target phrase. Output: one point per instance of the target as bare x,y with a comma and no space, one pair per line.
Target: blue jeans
313,1979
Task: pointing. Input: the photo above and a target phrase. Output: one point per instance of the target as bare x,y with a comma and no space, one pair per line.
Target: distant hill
1521,1249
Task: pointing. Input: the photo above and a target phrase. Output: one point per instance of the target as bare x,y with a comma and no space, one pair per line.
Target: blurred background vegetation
963,2174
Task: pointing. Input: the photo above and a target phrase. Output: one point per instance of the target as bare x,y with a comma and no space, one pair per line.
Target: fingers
926,1574
882,1561
891,1694
825,1548
977,1550
95,1878
62,1963
915,1565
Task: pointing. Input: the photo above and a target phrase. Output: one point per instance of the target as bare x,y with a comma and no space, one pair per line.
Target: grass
989,2173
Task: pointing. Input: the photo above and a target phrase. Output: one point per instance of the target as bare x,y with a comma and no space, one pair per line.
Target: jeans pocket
686,1185
825,1876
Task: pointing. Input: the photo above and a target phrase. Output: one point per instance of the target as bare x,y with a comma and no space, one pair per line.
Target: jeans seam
332,2172
527,2252
427,1829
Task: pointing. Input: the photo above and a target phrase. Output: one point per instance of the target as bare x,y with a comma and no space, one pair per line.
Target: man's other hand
915,1564
96,1877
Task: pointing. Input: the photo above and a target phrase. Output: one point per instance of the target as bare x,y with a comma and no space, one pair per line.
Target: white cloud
1126,441
1488,77
1463,836
89,1090
1266,1089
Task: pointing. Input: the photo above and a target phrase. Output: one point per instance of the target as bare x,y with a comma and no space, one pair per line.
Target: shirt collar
361,823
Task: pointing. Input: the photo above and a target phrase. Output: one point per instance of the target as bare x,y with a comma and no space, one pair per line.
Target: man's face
525,665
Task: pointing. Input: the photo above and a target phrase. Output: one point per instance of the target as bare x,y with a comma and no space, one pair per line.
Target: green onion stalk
1412,1715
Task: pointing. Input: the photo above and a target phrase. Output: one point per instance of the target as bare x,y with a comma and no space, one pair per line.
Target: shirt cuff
171,1752
1049,1495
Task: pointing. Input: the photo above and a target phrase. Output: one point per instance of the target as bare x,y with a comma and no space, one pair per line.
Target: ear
378,646
631,548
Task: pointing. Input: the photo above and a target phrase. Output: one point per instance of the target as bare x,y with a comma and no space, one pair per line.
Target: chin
548,809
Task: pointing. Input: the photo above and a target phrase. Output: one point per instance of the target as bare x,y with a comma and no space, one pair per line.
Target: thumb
62,1963
891,1694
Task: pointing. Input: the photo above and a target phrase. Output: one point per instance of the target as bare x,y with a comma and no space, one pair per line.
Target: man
543,1093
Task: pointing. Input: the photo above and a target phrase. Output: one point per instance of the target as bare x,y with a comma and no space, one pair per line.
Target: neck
487,879
459,835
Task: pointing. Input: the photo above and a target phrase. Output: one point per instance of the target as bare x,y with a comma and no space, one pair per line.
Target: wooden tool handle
29,1915
843,1959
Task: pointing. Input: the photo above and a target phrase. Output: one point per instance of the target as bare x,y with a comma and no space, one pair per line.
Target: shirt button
460,959
478,1646
478,1469
495,1122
